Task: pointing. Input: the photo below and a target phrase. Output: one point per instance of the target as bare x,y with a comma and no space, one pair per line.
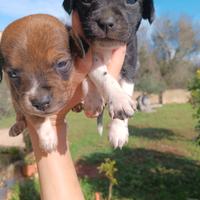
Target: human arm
58,179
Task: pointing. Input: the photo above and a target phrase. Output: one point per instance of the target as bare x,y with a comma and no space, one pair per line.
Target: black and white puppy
107,25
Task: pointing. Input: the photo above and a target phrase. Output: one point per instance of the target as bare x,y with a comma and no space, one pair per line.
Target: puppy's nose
41,103
106,24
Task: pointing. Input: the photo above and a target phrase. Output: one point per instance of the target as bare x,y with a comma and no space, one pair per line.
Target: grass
6,122
171,126
160,162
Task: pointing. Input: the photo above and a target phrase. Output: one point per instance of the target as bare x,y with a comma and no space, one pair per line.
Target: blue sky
13,9
178,7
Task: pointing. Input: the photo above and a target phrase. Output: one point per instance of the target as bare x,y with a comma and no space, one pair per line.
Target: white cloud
19,8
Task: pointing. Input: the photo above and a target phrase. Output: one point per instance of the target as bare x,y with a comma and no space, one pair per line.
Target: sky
11,10
176,8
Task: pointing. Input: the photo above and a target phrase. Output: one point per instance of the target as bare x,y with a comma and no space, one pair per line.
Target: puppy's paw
121,105
118,133
17,128
93,104
47,136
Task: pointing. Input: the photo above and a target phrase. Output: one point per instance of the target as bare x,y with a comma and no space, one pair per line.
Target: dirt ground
7,141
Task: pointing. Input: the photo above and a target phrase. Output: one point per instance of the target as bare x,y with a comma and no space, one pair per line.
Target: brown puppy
38,66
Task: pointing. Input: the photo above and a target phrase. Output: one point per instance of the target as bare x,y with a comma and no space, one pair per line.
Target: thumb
82,67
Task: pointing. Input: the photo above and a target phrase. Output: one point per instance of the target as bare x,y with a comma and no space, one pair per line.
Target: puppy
38,65
107,25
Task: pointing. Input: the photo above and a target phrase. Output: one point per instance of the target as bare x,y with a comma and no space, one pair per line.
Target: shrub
108,168
194,87
27,190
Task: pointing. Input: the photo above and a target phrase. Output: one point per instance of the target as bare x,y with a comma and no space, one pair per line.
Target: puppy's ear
68,5
148,11
1,66
78,45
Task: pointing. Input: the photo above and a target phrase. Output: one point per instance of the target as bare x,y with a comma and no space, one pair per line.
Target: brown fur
33,46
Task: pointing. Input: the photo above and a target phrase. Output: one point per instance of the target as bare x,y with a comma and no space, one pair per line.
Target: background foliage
168,54
194,87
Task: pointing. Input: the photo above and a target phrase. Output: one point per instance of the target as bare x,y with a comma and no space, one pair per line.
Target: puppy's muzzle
40,99
41,103
106,24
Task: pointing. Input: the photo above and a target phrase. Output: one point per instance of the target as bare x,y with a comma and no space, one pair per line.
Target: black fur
129,68
68,6
115,21
148,10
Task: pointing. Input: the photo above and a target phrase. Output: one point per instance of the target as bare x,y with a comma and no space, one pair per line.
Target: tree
149,77
174,43
166,55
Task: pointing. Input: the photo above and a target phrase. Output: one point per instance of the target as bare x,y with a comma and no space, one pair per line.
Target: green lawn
160,162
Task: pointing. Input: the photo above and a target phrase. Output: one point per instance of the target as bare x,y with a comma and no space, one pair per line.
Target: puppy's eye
62,64
130,1
63,68
87,2
13,74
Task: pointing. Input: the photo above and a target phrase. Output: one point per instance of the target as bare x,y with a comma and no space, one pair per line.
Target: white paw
118,133
121,105
47,136
93,105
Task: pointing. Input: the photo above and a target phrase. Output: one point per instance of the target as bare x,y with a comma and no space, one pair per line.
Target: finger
76,25
117,61
82,68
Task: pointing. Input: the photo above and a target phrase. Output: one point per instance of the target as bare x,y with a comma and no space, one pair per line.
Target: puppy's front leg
20,124
118,129
120,104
